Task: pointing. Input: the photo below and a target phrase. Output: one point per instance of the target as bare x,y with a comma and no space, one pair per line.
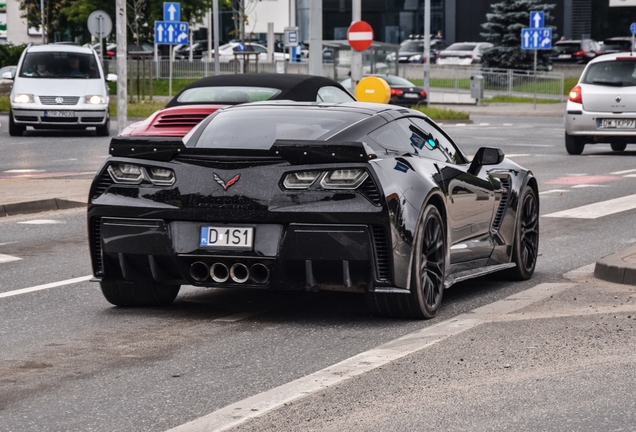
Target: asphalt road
71,361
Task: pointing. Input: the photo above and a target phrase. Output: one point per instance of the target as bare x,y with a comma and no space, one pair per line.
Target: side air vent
179,120
381,248
96,245
370,191
505,197
102,184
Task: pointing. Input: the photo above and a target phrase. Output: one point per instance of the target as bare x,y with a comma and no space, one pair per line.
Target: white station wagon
602,106
59,87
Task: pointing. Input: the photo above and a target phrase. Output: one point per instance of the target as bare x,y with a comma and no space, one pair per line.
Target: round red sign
360,35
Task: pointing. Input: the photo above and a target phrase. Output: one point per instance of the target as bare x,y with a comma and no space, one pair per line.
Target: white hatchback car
602,106
226,52
463,53
59,87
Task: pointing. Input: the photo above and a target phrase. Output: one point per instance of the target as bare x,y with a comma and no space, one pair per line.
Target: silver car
602,106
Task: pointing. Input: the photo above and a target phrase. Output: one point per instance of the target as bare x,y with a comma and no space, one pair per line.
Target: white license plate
227,237
617,123
59,114
564,56
411,95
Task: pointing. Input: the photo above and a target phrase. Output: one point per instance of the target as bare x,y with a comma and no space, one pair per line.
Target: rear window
569,47
412,46
258,128
619,73
393,80
227,94
617,45
59,65
461,47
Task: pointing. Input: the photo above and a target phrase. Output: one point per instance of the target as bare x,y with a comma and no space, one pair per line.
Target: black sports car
280,195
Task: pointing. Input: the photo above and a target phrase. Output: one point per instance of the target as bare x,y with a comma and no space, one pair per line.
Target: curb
38,206
619,267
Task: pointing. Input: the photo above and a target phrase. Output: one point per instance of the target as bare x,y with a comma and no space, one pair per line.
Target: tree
53,16
503,29
241,9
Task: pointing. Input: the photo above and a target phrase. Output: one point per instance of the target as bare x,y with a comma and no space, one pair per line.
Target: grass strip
439,114
518,99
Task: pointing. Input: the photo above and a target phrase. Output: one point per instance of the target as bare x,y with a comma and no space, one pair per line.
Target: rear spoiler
294,151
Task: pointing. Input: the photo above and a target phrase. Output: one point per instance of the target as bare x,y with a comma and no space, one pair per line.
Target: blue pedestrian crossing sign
537,18
171,33
536,38
171,11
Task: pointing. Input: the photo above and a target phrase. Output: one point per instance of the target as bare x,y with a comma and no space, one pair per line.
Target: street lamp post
42,22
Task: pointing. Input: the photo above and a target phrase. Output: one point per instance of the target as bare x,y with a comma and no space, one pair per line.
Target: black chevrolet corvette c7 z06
359,197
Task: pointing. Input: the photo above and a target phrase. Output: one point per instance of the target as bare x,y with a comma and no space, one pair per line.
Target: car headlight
416,58
22,98
126,173
300,180
344,179
161,176
94,99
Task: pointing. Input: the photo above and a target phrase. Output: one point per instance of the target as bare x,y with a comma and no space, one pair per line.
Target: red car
203,97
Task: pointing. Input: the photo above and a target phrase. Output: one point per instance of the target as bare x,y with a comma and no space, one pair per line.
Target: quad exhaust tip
239,273
220,272
199,271
259,273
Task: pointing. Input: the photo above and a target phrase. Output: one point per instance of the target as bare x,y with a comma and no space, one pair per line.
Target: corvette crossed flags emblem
229,183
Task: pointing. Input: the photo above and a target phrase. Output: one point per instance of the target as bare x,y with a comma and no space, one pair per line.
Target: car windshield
59,65
412,46
618,73
258,128
227,94
461,47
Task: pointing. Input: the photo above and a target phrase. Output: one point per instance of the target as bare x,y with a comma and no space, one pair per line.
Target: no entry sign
360,35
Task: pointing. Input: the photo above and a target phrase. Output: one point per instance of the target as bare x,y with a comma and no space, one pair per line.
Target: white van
59,87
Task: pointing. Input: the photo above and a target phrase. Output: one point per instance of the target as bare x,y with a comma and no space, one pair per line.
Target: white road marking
623,172
553,191
517,155
588,186
257,405
529,145
460,124
8,258
507,124
22,171
599,209
45,286
41,222
484,124
630,175
8,243
237,316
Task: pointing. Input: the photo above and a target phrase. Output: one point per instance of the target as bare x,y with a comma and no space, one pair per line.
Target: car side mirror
111,78
486,156
7,75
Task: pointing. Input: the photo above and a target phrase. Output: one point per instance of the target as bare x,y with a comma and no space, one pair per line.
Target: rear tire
14,129
103,130
574,144
428,268
525,248
618,146
141,293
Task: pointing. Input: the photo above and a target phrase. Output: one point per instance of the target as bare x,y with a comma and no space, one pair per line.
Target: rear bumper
579,122
296,255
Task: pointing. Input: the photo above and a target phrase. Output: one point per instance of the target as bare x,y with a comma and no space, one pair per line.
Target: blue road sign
171,33
632,28
537,19
171,11
536,39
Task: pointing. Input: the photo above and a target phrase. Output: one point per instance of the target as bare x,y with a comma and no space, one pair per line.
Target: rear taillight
576,95
423,93
579,54
397,92
110,53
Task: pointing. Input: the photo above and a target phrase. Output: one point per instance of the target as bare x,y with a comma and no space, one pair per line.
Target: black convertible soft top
296,87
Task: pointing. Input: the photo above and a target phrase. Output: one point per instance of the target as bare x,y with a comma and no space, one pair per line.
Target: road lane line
262,403
553,191
623,172
599,209
46,286
8,258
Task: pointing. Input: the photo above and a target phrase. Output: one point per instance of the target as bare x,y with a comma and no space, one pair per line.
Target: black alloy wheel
428,269
526,243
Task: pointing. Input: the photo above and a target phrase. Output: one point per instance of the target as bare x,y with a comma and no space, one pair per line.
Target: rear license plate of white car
565,56
227,237
617,123
411,95
59,114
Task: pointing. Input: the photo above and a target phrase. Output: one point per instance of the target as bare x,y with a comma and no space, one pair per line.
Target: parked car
575,51
59,87
601,108
616,44
403,91
226,52
412,51
133,51
182,52
207,95
281,195
463,53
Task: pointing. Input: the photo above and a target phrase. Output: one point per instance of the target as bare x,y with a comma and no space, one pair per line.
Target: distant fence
442,78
